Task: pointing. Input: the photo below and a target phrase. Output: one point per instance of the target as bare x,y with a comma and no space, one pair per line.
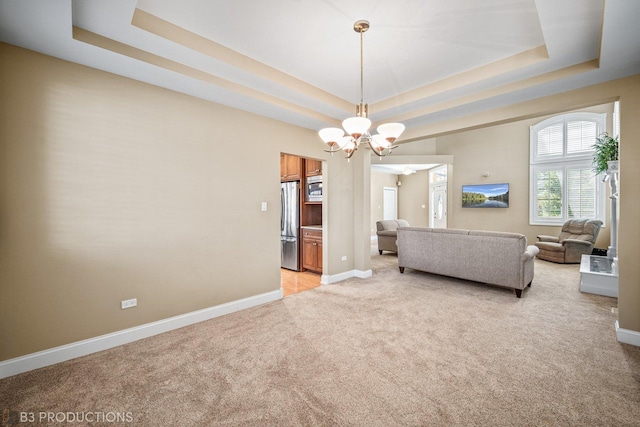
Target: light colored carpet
396,349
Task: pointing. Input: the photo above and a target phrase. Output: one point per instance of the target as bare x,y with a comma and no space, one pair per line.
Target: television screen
485,196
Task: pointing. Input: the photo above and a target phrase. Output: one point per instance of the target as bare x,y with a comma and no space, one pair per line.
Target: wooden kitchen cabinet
290,167
312,250
312,167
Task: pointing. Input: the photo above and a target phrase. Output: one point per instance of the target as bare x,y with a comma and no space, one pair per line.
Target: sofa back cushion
483,256
391,224
581,229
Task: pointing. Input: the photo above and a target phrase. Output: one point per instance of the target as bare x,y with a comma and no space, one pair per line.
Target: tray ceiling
298,60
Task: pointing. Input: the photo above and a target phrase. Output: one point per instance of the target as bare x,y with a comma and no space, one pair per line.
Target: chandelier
357,128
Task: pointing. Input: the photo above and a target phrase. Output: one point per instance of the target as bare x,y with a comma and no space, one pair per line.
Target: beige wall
339,215
413,198
112,189
503,152
412,195
420,147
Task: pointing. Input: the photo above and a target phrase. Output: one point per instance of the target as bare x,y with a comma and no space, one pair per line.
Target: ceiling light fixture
357,128
407,170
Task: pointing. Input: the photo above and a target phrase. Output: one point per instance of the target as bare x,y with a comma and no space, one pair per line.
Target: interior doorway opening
438,197
390,203
301,223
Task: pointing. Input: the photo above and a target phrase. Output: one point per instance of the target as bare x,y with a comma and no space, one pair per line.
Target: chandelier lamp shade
356,129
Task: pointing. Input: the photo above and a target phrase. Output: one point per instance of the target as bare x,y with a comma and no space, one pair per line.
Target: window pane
438,175
549,194
581,193
550,141
581,135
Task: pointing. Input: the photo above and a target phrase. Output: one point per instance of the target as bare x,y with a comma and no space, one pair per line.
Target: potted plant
605,151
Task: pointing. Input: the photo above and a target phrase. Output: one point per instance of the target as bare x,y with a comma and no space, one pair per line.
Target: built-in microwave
313,189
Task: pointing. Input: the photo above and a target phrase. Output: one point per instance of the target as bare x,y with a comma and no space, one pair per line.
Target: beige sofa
387,234
496,258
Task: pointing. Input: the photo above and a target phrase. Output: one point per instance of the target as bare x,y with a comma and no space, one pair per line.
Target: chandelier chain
361,69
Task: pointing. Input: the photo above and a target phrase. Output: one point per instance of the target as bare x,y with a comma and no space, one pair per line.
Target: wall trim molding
76,349
327,279
627,336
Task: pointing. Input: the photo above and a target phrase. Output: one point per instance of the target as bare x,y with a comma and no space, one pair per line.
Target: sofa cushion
391,224
550,246
580,229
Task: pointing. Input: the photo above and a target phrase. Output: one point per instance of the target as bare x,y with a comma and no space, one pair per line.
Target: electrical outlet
344,257
129,303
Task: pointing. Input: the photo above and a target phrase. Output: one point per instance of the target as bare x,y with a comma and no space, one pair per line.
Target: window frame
562,162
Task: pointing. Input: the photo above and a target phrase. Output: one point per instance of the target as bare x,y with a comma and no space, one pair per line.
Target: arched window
562,183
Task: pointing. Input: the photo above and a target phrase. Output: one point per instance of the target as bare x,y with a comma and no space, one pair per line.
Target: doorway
438,206
438,197
390,203
301,219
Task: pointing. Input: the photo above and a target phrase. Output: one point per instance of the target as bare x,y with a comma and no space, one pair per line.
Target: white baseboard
363,274
627,336
62,353
335,278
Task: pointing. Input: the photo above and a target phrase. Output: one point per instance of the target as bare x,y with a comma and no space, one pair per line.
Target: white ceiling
298,60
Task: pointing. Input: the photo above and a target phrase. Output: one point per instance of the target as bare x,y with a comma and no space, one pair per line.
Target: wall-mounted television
485,196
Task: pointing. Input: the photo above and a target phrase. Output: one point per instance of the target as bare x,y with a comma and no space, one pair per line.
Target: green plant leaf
605,150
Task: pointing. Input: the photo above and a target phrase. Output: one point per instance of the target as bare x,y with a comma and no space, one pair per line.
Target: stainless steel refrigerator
289,224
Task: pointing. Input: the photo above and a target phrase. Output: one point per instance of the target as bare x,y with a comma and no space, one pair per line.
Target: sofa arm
543,238
530,252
